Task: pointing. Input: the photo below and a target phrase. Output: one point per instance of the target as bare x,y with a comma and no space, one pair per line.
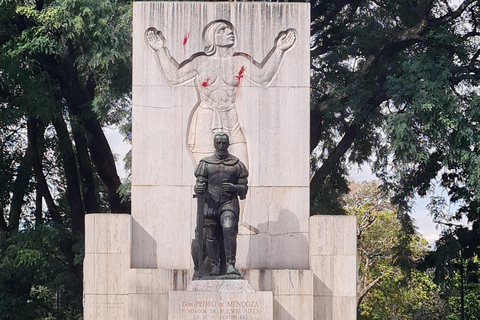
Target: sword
199,236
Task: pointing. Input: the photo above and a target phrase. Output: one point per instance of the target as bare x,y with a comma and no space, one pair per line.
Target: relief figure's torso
218,79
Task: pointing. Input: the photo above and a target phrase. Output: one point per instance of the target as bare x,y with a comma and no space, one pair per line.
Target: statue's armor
221,209
214,172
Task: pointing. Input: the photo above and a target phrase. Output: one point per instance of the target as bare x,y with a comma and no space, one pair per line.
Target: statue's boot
213,252
230,244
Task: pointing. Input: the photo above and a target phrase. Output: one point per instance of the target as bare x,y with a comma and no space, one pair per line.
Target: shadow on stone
323,300
280,312
144,248
275,247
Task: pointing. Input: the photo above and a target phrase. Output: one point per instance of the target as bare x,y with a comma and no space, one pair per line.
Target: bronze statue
221,180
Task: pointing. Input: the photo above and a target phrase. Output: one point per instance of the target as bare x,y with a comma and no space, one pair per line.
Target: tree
386,287
63,65
457,270
393,85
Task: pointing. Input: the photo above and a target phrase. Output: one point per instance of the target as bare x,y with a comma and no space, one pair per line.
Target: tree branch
361,295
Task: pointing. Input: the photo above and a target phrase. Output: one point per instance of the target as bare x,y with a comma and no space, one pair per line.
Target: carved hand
154,38
286,39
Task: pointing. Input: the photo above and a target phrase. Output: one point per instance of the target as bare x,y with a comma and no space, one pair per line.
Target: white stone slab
281,282
271,209
333,235
335,308
105,307
286,307
106,273
334,264
162,224
157,148
284,137
186,305
152,306
153,281
335,275
107,233
265,251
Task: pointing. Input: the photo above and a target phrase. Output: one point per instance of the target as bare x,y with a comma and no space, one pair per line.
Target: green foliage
386,288
35,277
64,64
394,84
457,271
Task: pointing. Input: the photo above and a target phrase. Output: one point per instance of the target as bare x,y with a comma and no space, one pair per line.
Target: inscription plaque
208,305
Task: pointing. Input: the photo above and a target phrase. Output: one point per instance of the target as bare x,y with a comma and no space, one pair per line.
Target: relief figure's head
218,33
221,142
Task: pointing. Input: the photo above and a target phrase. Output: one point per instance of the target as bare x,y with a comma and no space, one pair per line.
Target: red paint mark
240,73
185,38
205,83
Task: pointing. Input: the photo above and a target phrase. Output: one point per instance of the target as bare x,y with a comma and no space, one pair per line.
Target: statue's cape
230,160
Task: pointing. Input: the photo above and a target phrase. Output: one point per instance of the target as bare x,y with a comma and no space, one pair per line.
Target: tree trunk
3,227
103,159
74,197
79,97
38,209
18,191
462,290
42,187
85,167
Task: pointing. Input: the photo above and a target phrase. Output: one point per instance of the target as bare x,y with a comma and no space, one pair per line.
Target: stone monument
201,68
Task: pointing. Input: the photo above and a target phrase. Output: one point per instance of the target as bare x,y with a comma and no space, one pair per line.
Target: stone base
115,291
220,300
220,286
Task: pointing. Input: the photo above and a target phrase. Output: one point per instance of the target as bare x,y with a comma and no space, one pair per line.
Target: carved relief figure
217,73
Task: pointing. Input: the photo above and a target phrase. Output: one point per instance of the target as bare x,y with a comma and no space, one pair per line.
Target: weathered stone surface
271,251
333,308
107,233
162,234
105,307
220,286
333,235
107,257
153,281
151,306
335,275
333,261
292,291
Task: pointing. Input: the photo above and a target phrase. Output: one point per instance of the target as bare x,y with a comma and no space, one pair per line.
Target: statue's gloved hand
229,188
200,187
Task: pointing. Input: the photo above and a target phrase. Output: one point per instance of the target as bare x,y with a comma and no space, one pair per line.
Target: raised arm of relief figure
262,73
174,72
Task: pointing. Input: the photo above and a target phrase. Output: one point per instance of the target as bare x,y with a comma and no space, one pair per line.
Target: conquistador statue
221,181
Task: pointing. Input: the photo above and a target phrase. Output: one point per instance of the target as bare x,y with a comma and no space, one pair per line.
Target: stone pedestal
333,260
219,300
114,290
